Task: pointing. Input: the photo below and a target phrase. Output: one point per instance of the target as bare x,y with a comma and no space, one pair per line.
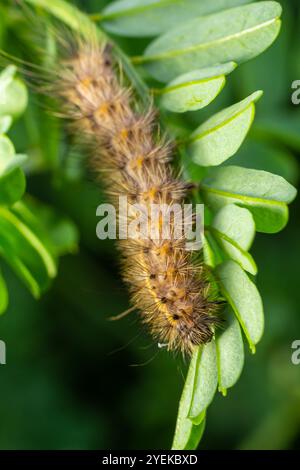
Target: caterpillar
132,159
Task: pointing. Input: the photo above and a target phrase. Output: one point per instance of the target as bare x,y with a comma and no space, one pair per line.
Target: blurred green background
74,380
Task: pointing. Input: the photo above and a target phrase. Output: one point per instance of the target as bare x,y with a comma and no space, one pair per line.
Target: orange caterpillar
168,290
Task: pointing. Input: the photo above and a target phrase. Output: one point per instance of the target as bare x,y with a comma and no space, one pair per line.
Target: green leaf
237,223
206,379
6,78
195,90
153,17
237,34
230,353
7,153
13,97
208,253
211,252
12,186
235,231
187,435
25,252
3,295
264,194
13,100
12,179
5,123
9,160
244,298
218,138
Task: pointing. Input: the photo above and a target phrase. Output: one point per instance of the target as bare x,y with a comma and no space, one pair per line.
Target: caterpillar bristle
132,158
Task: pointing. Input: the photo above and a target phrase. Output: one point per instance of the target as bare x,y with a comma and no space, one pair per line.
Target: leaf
230,353
13,97
196,434
6,77
211,251
208,253
12,186
25,252
3,295
237,34
8,158
237,223
206,379
265,195
218,138
7,152
235,231
195,90
12,179
5,123
13,100
187,435
244,298
153,17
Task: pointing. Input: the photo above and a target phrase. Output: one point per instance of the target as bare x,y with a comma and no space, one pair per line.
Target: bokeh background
74,380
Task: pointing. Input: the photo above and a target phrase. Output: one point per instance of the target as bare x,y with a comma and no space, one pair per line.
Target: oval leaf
230,353
6,77
8,158
237,223
219,138
7,152
237,34
187,435
264,194
12,186
195,90
206,379
14,99
244,298
153,17
234,229
5,123
12,179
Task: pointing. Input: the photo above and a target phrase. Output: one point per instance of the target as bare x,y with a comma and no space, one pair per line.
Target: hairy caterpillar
133,160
